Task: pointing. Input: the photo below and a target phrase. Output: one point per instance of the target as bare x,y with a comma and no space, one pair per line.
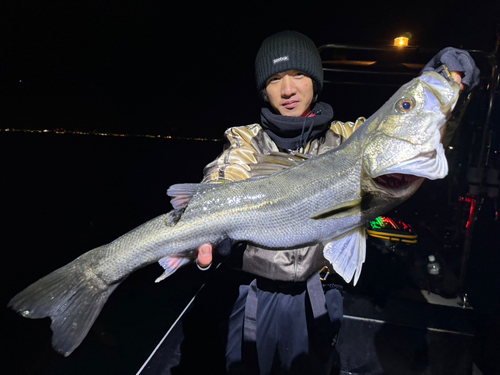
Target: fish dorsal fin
330,212
273,162
182,193
281,158
170,265
347,254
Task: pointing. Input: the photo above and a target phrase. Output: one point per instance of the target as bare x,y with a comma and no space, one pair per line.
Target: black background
187,67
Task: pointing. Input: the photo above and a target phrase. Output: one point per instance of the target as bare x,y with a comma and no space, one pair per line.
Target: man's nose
288,87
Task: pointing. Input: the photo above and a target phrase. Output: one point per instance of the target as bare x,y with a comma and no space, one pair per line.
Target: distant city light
103,134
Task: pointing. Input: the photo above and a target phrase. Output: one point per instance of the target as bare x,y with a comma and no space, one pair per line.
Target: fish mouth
431,165
395,181
443,88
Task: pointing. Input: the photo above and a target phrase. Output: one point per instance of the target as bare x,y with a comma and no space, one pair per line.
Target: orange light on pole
401,41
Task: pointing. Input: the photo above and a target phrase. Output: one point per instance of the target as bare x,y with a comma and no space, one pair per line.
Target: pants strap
250,325
316,296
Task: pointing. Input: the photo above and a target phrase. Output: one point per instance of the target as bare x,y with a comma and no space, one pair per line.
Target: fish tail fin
72,296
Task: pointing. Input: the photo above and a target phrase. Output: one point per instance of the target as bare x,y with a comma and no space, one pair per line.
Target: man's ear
263,95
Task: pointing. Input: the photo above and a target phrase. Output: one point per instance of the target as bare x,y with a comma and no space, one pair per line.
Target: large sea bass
323,199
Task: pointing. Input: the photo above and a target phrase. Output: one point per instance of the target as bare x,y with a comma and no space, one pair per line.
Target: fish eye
405,105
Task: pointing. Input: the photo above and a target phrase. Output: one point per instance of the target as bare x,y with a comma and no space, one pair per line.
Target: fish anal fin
347,254
170,265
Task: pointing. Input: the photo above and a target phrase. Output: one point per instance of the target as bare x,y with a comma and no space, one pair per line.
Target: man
286,320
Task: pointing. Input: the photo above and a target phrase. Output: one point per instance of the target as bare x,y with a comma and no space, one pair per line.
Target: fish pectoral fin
170,265
338,209
347,254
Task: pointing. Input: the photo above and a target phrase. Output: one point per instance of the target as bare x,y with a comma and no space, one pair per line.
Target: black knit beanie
288,50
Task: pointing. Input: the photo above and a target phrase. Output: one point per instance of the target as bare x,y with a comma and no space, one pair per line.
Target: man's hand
458,62
204,259
457,76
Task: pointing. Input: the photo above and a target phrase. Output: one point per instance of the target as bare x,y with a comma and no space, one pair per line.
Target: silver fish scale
279,207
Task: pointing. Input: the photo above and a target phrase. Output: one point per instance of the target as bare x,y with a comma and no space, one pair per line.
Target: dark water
63,195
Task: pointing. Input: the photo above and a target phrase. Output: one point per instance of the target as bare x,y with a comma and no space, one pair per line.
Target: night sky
181,68
172,67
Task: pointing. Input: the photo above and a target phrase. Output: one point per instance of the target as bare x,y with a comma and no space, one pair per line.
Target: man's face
290,93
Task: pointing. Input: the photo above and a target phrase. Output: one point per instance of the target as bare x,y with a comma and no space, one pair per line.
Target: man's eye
273,79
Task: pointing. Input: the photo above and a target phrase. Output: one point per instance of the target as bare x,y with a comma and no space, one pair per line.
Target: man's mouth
291,104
